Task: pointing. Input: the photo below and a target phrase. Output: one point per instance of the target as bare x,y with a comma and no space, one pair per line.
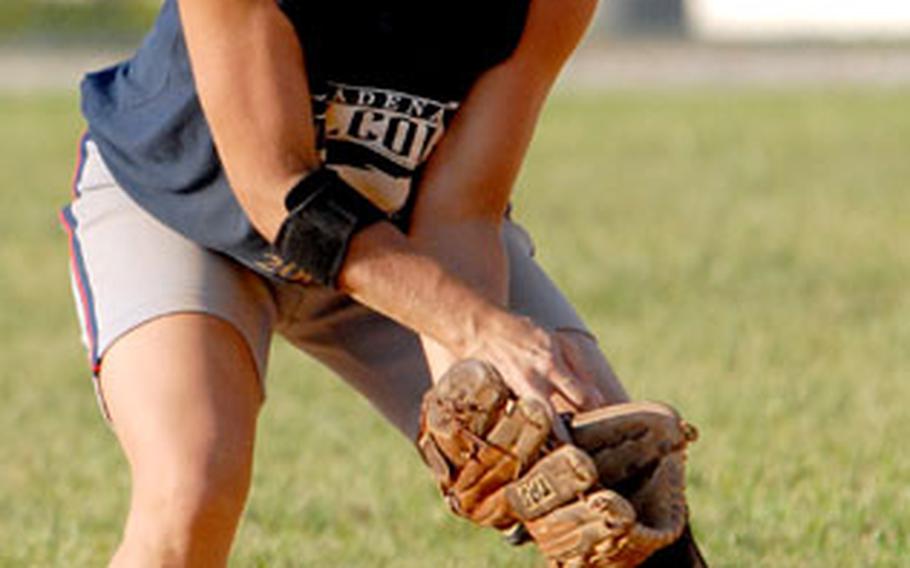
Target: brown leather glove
498,465
639,451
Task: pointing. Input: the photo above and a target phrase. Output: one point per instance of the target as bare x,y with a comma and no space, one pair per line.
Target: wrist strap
324,214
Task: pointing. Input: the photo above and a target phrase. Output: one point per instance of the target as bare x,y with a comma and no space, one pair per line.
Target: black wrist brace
324,213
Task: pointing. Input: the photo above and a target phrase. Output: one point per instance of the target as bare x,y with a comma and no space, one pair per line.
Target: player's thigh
127,268
532,293
379,358
183,395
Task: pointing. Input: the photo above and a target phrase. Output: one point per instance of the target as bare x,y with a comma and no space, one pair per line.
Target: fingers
556,391
585,361
548,374
532,386
579,394
560,368
579,373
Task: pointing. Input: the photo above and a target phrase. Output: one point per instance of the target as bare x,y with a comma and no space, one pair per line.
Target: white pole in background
744,20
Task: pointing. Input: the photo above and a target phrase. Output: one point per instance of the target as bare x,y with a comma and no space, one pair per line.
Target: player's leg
183,394
379,358
180,337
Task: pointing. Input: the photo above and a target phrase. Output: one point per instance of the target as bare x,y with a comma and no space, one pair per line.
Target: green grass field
741,254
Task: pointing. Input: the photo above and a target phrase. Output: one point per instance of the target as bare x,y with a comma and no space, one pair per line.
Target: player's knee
203,495
190,513
216,494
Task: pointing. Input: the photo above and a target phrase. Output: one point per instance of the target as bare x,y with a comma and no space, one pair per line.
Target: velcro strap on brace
324,213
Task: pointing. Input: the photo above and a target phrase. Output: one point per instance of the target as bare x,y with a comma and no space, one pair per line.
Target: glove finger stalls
512,443
553,481
577,531
477,438
459,410
494,511
522,431
478,481
433,456
476,392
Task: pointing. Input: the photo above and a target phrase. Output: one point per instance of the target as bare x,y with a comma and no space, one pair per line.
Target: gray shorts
127,269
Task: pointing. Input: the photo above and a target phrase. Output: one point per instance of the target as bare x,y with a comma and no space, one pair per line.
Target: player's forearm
474,250
249,71
387,272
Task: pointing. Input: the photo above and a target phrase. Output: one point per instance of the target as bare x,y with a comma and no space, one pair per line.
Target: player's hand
534,363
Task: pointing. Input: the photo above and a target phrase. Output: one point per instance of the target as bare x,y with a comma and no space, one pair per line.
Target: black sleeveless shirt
386,77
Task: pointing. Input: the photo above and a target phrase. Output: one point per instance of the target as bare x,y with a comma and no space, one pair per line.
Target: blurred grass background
741,253
74,21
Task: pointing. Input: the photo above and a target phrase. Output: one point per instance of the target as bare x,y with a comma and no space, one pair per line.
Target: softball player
335,172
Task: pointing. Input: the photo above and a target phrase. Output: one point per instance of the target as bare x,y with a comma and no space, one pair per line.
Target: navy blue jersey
385,78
